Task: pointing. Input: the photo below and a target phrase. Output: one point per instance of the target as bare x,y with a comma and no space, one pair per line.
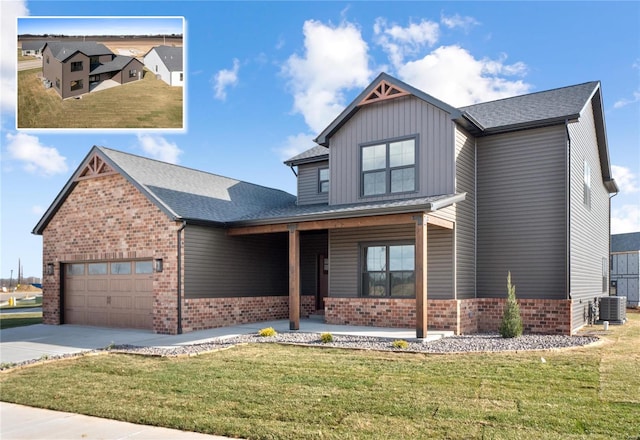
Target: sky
264,78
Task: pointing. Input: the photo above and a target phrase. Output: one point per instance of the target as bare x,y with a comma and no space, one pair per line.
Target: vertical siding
589,231
344,248
218,266
522,213
312,244
398,117
308,184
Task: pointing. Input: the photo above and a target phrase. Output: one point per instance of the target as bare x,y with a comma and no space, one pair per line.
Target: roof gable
63,50
171,57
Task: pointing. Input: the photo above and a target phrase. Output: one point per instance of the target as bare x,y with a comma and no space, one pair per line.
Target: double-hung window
323,180
389,167
388,270
76,66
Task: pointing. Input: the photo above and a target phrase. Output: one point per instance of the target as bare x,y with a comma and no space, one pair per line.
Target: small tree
511,325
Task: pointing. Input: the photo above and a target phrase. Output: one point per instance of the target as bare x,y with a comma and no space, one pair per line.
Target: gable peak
383,91
95,167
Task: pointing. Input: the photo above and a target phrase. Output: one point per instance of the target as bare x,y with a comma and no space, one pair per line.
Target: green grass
9,320
149,103
23,303
269,391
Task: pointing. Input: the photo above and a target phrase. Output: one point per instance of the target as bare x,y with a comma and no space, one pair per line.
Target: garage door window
143,267
97,268
75,269
121,268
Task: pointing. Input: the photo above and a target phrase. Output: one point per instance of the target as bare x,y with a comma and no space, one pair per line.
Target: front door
323,281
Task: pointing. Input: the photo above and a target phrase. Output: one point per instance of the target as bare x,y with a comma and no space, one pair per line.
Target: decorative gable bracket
96,167
382,92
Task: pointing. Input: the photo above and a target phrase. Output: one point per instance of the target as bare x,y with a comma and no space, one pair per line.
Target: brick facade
462,316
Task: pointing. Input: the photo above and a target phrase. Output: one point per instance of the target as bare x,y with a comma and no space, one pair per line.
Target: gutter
179,272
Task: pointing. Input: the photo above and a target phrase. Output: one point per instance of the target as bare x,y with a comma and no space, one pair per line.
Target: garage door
109,294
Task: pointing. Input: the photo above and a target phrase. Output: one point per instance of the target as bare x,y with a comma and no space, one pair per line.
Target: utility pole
19,273
11,279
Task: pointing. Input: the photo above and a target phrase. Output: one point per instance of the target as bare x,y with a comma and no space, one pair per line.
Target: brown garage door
109,294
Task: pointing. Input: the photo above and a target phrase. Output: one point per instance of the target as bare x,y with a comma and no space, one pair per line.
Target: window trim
321,181
388,169
79,85
76,69
361,263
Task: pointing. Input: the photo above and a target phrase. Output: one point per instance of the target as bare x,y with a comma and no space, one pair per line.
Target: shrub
511,325
400,343
326,338
267,332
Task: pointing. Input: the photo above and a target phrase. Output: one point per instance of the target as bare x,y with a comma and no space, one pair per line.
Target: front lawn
9,320
268,391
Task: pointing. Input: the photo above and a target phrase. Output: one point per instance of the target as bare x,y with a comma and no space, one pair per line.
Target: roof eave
293,163
527,125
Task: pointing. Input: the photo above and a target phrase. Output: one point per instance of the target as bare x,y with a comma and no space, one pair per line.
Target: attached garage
109,294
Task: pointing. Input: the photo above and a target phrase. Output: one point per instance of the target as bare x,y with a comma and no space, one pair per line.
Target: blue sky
263,78
81,26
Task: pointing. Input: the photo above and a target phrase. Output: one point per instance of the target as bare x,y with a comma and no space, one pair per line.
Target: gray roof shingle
628,242
115,65
32,45
63,50
313,154
171,56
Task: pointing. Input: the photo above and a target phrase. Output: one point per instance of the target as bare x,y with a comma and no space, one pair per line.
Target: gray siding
395,118
218,266
308,184
589,227
344,247
522,213
311,245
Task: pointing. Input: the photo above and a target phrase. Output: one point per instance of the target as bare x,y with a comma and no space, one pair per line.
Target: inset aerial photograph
100,72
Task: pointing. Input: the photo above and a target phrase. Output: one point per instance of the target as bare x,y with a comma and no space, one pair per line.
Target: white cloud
458,21
226,78
628,101
159,148
335,59
625,179
296,144
37,209
10,10
625,219
37,158
399,42
453,75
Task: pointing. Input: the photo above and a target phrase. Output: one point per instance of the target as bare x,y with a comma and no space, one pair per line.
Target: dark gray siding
522,213
52,69
308,184
344,246
312,244
218,266
589,227
395,118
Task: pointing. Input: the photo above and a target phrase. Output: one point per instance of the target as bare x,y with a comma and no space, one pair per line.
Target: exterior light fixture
157,265
49,270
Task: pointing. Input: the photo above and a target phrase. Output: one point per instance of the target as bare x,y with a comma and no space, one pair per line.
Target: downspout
609,263
293,171
179,236
567,190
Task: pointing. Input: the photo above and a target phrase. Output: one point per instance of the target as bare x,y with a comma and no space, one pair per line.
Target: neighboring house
410,213
73,68
32,48
625,275
166,63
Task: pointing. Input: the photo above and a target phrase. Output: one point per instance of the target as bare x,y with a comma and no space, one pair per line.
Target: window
75,269
388,168
181,76
388,270
143,267
76,85
58,83
156,67
76,66
133,73
323,180
47,59
97,269
94,60
121,268
587,185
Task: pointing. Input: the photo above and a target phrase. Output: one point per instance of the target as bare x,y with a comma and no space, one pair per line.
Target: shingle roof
628,242
117,64
62,50
549,105
313,154
171,56
32,45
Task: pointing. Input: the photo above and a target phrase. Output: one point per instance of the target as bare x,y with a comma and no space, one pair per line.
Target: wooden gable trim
382,92
96,167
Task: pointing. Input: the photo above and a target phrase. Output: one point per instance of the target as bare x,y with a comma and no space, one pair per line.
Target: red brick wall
538,315
107,218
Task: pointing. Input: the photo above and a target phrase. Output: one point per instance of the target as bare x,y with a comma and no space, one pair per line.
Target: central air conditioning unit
613,309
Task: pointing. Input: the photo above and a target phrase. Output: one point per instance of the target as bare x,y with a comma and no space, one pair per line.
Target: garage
109,294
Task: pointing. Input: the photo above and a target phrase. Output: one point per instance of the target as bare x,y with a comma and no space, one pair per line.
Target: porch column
421,276
294,277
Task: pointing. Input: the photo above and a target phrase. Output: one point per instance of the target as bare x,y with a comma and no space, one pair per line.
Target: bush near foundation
511,325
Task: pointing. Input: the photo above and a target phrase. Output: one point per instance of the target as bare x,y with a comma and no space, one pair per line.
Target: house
32,48
73,68
409,213
625,275
166,62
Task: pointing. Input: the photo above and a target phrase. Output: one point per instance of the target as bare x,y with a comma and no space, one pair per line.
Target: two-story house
73,67
410,213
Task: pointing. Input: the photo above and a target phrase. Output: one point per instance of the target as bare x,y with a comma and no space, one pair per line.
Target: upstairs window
323,180
133,73
76,66
94,60
587,185
388,270
388,168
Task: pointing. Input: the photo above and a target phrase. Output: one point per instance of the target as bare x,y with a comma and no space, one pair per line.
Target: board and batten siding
219,266
308,189
344,257
391,119
589,228
521,213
